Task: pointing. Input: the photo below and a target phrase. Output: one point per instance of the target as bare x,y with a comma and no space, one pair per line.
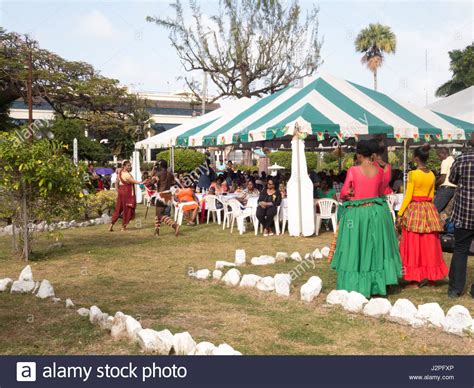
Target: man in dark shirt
462,175
164,180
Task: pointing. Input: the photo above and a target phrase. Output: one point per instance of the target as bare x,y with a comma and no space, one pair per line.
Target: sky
115,38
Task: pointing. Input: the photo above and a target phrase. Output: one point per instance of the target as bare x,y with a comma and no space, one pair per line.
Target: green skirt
367,258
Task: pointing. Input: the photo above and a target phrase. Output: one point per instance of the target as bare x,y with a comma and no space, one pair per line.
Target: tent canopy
459,105
194,126
331,106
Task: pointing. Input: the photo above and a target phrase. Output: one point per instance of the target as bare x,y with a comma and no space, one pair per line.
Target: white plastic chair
284,217
180,211
391,200
326,206
276,221
211,207
227,213
238,214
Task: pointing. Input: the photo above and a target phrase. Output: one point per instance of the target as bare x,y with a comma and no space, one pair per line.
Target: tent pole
172,159
405,141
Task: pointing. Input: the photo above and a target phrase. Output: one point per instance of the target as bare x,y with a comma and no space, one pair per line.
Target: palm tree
374,41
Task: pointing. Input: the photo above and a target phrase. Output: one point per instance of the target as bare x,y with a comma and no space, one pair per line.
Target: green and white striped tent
195,125
332,106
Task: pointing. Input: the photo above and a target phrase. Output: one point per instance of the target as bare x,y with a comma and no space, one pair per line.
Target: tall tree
462,66
374,42
248,48
70,87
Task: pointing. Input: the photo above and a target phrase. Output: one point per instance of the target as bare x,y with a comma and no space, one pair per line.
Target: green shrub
185,160
102,202
283,158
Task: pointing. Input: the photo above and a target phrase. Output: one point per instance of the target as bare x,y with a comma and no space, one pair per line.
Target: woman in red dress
420,246
126,200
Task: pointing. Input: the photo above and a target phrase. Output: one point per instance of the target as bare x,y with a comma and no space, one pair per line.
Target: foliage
102,202
70,87
40,180
243,167
74,90
283,158
252,48
374,42
185,160
331,161
65,130
462,66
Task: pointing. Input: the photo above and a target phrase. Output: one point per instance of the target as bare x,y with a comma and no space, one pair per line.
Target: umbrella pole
300,210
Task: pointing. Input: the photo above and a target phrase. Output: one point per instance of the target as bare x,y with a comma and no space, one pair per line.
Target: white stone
26,274
354,303
296,256
263,260
56,300
308,256
220,264
431,313
83,312
266,284
37,285
133,327
4,283
282,284
8,229
281,257
153,341
45,290
217,274
311,289
225,350
240,257
119,329
403,312
183,343
325,251
22,286
203,349
232,277
377,307
94,314
317,255
337,297
249,280
417,323
457,320
202,274
105,321
69,303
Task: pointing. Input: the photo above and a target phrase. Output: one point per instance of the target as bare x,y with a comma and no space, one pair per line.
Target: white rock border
126,326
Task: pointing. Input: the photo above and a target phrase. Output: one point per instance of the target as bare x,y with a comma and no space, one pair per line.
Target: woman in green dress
367,258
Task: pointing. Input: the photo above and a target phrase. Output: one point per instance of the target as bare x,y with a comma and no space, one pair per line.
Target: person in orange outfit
420,246
190,210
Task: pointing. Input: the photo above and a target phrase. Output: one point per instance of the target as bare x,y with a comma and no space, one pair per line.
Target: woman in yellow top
420,247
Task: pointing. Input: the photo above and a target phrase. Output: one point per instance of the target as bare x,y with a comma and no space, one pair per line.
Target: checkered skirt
421,216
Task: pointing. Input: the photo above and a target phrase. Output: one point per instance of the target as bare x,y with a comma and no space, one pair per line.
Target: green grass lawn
146,277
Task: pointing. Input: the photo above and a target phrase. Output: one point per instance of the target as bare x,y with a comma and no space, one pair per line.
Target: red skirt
422,257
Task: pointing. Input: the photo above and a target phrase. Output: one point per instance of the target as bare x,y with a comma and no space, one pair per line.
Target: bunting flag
439,137
320,136
340,137
398,137
416,137
449,137
427,137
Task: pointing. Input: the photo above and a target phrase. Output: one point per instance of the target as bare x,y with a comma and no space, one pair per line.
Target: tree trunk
375,79
14,242
24,219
